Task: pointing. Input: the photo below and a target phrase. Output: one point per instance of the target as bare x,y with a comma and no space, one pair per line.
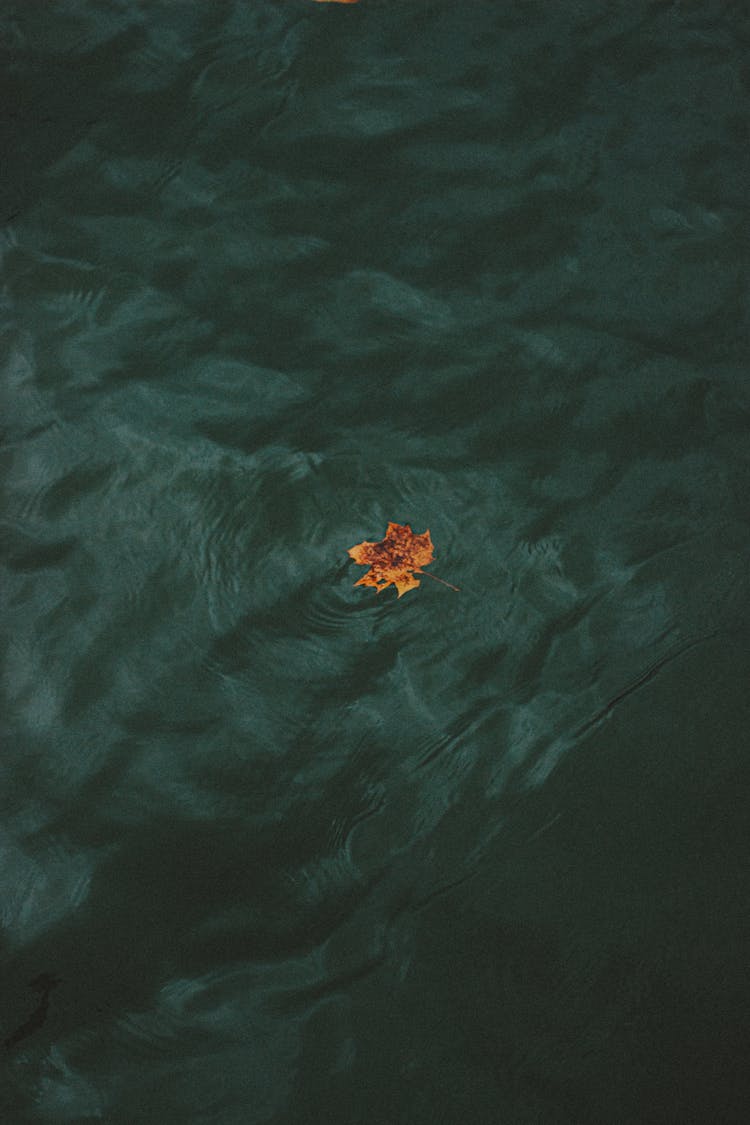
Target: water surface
279,850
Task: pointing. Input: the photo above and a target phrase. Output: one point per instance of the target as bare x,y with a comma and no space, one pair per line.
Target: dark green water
279,850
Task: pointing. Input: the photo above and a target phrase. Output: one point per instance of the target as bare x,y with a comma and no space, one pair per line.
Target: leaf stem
441,580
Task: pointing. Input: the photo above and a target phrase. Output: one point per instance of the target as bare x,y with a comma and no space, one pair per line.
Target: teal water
276,849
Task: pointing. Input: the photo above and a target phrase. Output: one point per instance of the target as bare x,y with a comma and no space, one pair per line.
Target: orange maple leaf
396,559
336,1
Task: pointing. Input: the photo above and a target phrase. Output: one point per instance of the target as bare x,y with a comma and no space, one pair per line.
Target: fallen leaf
336,1
395,559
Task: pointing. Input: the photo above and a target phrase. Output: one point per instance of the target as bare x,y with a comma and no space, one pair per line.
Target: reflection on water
275,847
